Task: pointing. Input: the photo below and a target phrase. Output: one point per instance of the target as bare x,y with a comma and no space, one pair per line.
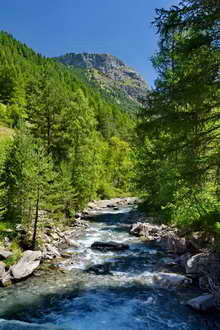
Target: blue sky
55,27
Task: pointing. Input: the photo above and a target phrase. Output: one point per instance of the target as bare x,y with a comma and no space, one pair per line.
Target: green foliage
180,127
17,253
61,143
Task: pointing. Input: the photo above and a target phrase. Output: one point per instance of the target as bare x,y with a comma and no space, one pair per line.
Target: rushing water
122,298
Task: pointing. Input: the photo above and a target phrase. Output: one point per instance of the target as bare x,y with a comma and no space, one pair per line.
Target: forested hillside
61,143
179,146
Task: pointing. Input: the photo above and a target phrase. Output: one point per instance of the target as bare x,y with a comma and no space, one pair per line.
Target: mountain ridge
110,75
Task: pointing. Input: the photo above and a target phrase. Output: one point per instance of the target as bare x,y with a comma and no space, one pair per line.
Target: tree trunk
36,219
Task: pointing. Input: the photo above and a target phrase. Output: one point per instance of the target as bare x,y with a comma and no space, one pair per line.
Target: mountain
115,80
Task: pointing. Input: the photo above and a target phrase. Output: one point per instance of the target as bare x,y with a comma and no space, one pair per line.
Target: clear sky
55,27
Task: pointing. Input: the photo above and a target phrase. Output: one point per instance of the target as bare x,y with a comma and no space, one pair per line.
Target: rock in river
202,303
109,246
26,265
100,269
203,263
170,280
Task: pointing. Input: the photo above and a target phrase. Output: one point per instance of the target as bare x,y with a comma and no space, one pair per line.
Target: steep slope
116,81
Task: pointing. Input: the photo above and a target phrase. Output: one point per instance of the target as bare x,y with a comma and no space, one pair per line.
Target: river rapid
118,294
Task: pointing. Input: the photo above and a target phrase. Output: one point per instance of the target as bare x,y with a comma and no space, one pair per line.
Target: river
116,295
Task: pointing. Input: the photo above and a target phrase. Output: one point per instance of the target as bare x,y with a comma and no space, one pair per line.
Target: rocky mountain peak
110,74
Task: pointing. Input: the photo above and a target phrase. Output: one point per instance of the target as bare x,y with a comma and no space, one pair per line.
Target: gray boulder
109,246
51,252
203,263
4,254
2,269
5,277
202,303
171,242
170,280
145,229
26,265
100,269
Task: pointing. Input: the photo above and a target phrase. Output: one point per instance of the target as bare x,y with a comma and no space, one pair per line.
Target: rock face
109,246
202,303
109,74
26,265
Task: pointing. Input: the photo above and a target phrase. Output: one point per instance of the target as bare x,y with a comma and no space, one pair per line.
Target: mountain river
105,290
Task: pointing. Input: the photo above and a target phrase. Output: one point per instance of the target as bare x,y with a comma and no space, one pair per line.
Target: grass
5,132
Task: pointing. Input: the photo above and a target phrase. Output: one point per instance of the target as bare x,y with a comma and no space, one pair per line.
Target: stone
149,300
26,265
71,242
144,229
19,228
182,260
168,261
2,269
51,252
4,254
203,263
6,279
170,280
202,303
54,236
7,241
172,243
109,246
100,269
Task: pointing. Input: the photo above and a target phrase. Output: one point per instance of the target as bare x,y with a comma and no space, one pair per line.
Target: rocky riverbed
114,268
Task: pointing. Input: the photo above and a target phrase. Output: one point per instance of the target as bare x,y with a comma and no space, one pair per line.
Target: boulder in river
202,303
170,280
109,246
203,263
100,269
145,229
171,242
4,254
26,265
